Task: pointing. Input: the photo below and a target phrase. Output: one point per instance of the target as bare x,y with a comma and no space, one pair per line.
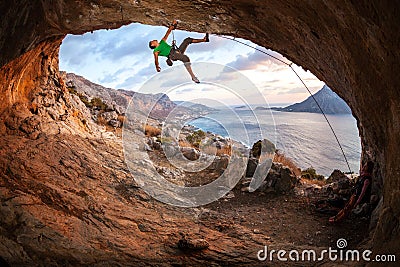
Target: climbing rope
326,118
302,81
256,48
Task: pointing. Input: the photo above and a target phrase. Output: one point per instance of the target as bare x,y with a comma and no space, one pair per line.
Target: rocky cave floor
284,219
279,218
290,217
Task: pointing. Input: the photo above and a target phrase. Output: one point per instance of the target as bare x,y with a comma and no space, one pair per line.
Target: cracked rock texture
351,45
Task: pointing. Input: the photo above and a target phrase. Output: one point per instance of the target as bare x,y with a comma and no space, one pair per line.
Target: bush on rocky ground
280,157
311,174
196,137
151,130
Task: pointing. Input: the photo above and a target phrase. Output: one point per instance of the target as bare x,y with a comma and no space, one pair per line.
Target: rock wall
352,46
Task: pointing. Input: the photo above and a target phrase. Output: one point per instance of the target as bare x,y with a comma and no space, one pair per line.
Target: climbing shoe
195,79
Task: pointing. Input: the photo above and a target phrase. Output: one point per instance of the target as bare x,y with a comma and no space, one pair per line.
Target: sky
121,59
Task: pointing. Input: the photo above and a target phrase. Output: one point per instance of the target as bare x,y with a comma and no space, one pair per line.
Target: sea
304,137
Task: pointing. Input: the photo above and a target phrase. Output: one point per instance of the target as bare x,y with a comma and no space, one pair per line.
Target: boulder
342,187
287,180
222,163
190,153
186,244
337,176
150,141
156,145
280,178
262,146
114,123
110,115
219,144
375,214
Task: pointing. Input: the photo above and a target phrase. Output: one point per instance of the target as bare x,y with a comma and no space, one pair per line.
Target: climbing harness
304,84
173,36
174,47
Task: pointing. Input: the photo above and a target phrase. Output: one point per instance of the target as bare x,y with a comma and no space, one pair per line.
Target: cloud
137,78
185,91
242,63
296,90
129,83
126,43
228,74
108,78
255,59
112,46
116,49
173,82
145,72
112,77
77,49
281,90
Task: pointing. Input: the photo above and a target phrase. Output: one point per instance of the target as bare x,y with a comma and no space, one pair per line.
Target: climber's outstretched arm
169,30
156,61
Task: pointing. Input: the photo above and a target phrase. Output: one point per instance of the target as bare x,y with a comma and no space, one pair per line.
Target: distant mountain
329,101
119,99
200,108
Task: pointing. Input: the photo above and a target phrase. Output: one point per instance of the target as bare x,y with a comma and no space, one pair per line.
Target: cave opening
120,59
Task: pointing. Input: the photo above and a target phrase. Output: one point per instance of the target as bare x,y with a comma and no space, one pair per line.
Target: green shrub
311,174
85,100
72,90
98,103
95,102
196,137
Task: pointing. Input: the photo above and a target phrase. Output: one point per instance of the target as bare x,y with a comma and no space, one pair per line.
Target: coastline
303,137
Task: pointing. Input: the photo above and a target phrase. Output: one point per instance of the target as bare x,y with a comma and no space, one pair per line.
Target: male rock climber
361,193
163,49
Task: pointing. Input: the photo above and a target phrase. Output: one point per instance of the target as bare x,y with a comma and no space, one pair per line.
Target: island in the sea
328,100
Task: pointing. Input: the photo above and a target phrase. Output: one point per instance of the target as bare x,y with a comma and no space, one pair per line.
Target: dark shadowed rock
222,163
337,176
280,178
251,167
188,244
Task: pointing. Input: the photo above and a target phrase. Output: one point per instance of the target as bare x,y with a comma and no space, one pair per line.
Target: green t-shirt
163,48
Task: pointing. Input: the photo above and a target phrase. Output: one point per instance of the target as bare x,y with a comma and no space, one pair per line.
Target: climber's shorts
180,53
